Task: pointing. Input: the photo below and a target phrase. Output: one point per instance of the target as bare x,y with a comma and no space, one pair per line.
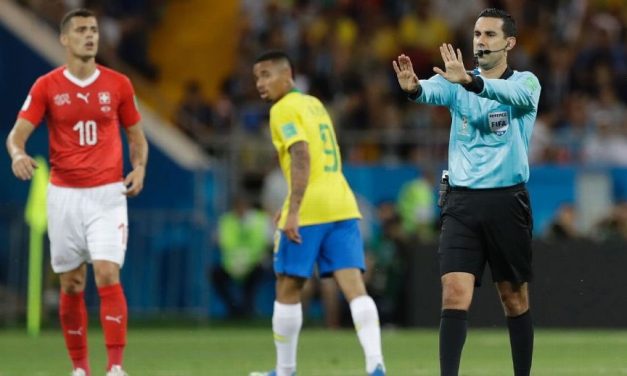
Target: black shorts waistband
516,187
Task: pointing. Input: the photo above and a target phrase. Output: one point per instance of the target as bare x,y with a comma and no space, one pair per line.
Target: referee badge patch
499,122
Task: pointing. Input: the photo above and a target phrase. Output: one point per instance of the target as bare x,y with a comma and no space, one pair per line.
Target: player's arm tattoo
299,169
137,145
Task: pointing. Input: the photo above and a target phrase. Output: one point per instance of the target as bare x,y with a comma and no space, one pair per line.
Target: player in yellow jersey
319,220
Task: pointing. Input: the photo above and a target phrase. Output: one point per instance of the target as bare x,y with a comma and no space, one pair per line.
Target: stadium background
343,49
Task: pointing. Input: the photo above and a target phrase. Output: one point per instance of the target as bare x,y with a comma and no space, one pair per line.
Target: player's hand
134,181
291,228
453,64
23,165
407,79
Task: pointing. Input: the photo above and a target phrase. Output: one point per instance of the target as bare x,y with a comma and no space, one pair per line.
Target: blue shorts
333,246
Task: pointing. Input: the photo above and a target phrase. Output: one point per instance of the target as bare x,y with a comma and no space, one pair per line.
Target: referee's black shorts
487,225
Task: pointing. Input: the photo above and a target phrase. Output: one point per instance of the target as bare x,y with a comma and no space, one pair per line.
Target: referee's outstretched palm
453,63
404,69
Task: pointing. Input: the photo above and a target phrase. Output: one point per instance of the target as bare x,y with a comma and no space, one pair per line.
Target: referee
486,214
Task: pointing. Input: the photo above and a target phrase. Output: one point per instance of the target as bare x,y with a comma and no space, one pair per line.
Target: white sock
366,321
287,319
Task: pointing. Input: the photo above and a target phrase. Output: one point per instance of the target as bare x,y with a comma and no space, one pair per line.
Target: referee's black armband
476,85
412,97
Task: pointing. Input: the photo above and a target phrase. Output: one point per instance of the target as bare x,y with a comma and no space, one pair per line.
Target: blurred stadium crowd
343,52
343,49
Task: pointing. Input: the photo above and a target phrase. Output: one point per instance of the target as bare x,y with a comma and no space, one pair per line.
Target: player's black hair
509,25
275,55
80,12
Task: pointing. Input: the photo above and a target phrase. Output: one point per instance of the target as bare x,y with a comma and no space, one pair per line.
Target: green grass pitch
237,351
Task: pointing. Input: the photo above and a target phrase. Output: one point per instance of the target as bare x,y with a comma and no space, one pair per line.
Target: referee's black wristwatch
476,83
413,96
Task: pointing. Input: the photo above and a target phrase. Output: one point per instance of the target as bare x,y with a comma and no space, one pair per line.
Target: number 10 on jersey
87,132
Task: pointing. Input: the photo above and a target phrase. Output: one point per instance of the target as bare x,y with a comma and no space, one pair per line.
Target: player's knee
354,291
456,296
106,273
72,285
456,291
455,303
514,304
107,278
288,289
351,283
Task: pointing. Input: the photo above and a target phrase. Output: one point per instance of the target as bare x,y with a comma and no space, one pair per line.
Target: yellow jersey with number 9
328,198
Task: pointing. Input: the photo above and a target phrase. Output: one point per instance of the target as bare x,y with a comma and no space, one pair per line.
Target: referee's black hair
275,55
80,12
509,25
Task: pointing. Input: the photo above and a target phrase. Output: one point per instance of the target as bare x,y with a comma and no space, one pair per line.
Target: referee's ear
511,42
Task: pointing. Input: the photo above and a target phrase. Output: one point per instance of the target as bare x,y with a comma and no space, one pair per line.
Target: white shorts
86,224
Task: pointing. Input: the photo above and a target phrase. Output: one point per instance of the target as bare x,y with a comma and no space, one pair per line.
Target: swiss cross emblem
104,97
61,99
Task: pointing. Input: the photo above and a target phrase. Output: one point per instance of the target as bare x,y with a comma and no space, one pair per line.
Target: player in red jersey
84,105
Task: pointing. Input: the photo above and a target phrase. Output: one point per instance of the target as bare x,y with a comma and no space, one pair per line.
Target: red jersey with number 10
84,118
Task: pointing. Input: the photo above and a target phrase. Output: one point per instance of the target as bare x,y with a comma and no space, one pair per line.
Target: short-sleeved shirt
84,119
299,117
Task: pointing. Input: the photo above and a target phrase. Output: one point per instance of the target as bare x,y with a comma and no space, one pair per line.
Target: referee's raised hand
407,79
453,65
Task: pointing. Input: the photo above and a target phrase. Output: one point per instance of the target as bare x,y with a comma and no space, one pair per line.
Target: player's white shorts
86,224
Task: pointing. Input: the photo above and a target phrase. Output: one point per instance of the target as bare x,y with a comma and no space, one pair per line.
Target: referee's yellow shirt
328,198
